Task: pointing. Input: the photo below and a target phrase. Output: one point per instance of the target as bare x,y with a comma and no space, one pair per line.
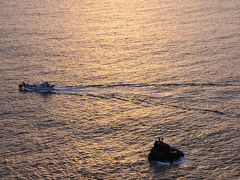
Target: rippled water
126,72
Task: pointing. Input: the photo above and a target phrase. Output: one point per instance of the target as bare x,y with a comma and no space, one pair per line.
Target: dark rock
163,152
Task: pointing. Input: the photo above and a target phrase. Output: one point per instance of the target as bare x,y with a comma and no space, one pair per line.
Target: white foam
178,162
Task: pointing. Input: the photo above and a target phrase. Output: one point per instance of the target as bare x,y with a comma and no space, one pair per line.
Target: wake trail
138,93
151,85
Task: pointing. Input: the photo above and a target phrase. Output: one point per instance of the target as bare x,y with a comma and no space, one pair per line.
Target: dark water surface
126,72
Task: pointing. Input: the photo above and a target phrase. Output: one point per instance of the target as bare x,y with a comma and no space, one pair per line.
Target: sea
126,72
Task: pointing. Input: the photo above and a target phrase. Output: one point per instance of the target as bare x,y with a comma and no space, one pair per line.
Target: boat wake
101,90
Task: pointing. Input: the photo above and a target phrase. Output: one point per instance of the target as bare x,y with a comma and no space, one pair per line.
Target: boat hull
45,87
39,89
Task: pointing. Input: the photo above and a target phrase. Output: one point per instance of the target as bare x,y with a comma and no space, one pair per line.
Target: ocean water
126,72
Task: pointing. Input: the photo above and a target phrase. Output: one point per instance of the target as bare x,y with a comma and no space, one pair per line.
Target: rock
163,152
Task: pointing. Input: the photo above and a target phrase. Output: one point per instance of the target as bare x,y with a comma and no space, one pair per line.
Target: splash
181,161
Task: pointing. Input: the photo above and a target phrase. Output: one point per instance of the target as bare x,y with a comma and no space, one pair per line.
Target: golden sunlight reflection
115,36
125,72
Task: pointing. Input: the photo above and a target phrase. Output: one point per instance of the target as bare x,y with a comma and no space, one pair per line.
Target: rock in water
163,152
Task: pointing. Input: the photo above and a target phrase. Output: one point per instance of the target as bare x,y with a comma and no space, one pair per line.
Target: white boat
44,87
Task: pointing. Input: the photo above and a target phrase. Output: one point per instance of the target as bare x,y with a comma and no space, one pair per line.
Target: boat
44,87
164,153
